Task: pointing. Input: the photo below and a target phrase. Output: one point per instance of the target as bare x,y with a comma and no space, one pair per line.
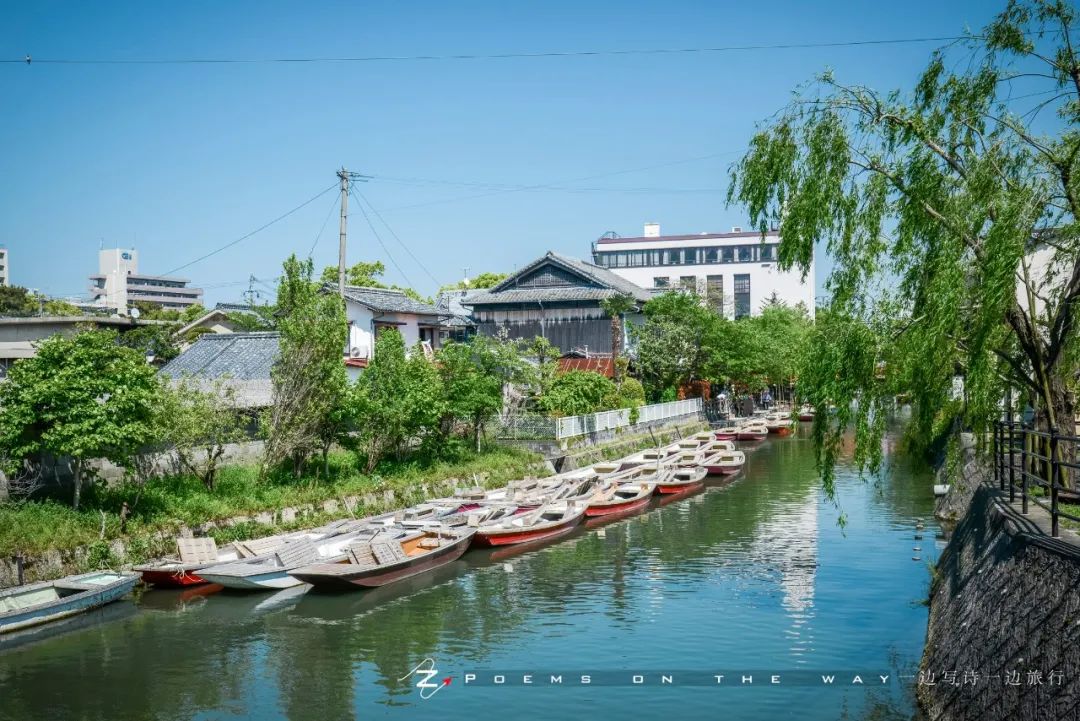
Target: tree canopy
82,396
963,196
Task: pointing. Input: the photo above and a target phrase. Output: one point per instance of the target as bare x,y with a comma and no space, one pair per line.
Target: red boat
780,429
548,521
752,433
624,497
682,479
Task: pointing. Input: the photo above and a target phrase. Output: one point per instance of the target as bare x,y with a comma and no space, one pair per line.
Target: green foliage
309,378
483,280
952,191
473,391
367,275
16,301
197,425
257,319
61,308
579,393
156,340
82,396
397,400
149,310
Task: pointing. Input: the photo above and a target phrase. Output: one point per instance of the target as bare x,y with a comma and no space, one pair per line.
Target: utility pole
344,176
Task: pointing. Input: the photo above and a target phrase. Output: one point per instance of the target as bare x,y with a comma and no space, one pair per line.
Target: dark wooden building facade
555,297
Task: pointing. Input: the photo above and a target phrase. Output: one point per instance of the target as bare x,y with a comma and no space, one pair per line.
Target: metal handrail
1036,469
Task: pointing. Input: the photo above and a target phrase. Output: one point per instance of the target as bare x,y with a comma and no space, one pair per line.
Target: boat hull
508,538
172,579
782,431
269,581
806,417
666,489
374,578
718,470
75,604
725,436
613,508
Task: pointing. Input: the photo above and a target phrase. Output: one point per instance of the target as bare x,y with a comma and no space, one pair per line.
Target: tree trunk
76,467
1064,404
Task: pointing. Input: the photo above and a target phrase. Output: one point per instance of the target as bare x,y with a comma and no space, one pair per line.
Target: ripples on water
753,575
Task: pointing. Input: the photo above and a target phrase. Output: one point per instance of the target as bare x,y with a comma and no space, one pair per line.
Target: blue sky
177,160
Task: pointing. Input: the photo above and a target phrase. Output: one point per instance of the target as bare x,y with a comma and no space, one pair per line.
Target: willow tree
950,211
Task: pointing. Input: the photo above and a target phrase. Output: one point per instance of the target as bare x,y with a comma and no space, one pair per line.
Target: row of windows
157,283
714,290
756,253
155,293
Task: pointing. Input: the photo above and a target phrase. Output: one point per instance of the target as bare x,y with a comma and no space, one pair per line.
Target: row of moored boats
379,550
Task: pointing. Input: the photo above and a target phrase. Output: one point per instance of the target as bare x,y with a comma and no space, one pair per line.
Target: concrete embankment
1003,642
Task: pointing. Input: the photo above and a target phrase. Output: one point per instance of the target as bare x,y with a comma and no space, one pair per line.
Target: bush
579,392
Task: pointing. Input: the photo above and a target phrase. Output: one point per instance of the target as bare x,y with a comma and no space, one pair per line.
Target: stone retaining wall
1005,603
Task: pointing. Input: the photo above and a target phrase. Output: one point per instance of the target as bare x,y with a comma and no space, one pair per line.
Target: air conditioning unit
358,351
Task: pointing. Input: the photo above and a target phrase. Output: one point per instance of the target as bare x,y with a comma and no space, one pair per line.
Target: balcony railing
1037,466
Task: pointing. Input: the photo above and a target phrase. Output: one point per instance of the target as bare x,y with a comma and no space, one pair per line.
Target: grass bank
163,505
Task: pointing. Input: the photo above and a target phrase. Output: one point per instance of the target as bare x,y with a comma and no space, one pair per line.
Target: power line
400,242
333,204
374,232
541,186
29,60
261,228
519,186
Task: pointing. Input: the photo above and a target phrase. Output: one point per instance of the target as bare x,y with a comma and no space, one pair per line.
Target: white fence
606,420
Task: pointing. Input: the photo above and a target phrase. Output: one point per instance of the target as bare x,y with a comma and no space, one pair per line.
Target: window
688,282
728,255
661,282
746,253
712,255
714,292
742,295
672,257
768,253
690,256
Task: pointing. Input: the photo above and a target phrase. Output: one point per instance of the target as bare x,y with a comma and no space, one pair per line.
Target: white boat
39,603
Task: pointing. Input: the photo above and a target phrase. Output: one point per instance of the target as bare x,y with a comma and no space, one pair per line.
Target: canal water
755,578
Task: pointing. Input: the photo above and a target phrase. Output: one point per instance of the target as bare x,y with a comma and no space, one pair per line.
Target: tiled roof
596,364
242,361
599,283
385,300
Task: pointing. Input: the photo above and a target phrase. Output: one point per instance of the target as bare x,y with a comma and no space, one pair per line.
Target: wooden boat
755,431
780,426
272,571
622,497
548,521
806,414
194,554
681,479
382,560
652,456
39,603
724,462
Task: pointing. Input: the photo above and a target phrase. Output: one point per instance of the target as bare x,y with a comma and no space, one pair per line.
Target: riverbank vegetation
49,522
969,199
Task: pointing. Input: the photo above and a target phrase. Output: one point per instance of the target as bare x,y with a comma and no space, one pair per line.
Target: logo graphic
424,672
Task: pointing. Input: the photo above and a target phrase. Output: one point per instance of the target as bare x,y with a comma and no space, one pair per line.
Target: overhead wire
28,59
398,239
389,255
261,228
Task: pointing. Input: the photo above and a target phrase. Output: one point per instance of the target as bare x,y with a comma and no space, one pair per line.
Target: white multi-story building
5,271
119,284
735,272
